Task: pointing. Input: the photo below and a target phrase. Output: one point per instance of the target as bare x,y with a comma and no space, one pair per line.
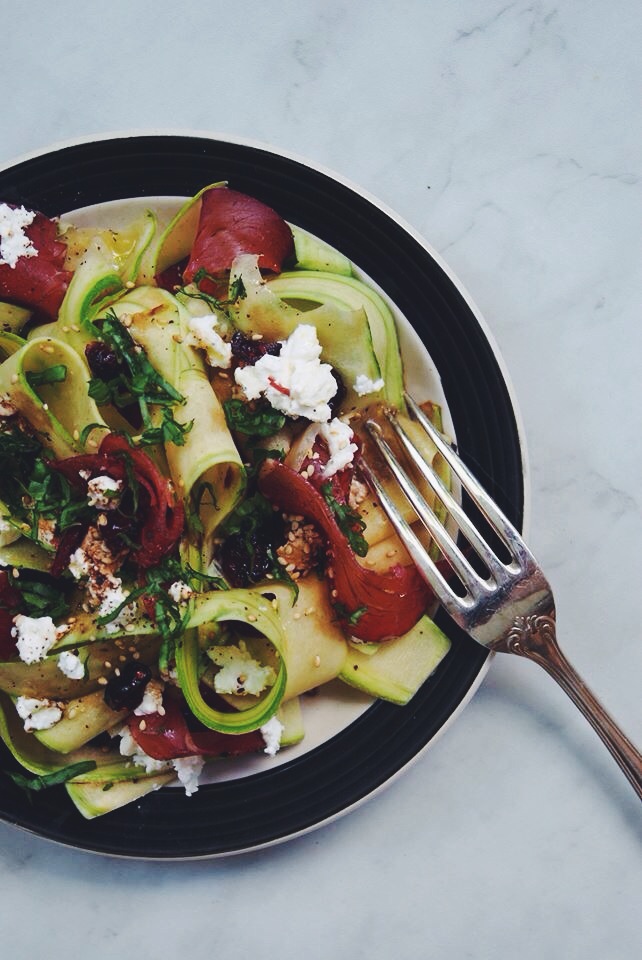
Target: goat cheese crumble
152,699
104,492
38,714
14,243
203,336
188,771
272,731
240,673
338,436
35,636
363,385
295,382
179,591
71,665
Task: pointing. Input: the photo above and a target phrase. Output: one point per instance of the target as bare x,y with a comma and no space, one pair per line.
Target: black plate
272,806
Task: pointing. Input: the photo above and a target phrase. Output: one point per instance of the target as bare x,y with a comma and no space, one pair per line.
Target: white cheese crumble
188,771
111,599
272,731
104,492
338,436
47,531
179,591
71,665
7,406
296,382
364,385
152,699
239,672
129,748
79,565
202,334
14,243
38,714
35,636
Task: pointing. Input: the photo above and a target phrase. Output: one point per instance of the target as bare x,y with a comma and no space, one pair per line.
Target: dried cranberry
245,559
127,690
246,350
103,361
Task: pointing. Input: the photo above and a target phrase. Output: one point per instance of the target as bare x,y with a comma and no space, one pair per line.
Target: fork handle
534,637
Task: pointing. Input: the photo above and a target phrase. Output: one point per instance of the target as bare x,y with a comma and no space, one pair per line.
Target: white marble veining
508,133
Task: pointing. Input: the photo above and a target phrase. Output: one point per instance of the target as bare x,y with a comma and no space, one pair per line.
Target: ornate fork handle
534,637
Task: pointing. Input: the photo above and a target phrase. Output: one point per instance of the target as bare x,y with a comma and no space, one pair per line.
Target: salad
187,547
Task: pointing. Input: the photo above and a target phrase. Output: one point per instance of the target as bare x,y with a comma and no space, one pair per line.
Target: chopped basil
46,780
55,374
137,381
348,520
262,420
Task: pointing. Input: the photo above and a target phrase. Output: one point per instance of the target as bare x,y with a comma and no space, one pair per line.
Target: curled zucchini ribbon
240,606
59,407
208,459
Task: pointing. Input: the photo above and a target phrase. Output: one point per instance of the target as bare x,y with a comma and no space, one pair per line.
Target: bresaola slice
167,736
38,282
231,224
389,604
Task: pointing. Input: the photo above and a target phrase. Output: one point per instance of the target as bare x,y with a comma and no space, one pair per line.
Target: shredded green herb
348,520
46,780
54,374
262,420
350,617
137,382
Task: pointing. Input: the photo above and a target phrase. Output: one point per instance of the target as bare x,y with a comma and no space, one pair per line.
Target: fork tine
495,567
452,602
470,579
495,517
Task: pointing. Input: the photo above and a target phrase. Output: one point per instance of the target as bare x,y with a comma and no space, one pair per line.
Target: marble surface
507,133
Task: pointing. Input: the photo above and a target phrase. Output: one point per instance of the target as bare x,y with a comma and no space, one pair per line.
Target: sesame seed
130,627
107,665
130,284
257,336
161,711
71,713
252,618
317,661
75,328
102,681
275,603
282,561
16,573
309,611
136,656
223,375
65,328
334,593
142,725
290,567
76,434
296,616
14,378
391,553
289,549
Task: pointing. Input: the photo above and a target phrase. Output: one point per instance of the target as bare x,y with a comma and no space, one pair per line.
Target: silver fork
509,607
